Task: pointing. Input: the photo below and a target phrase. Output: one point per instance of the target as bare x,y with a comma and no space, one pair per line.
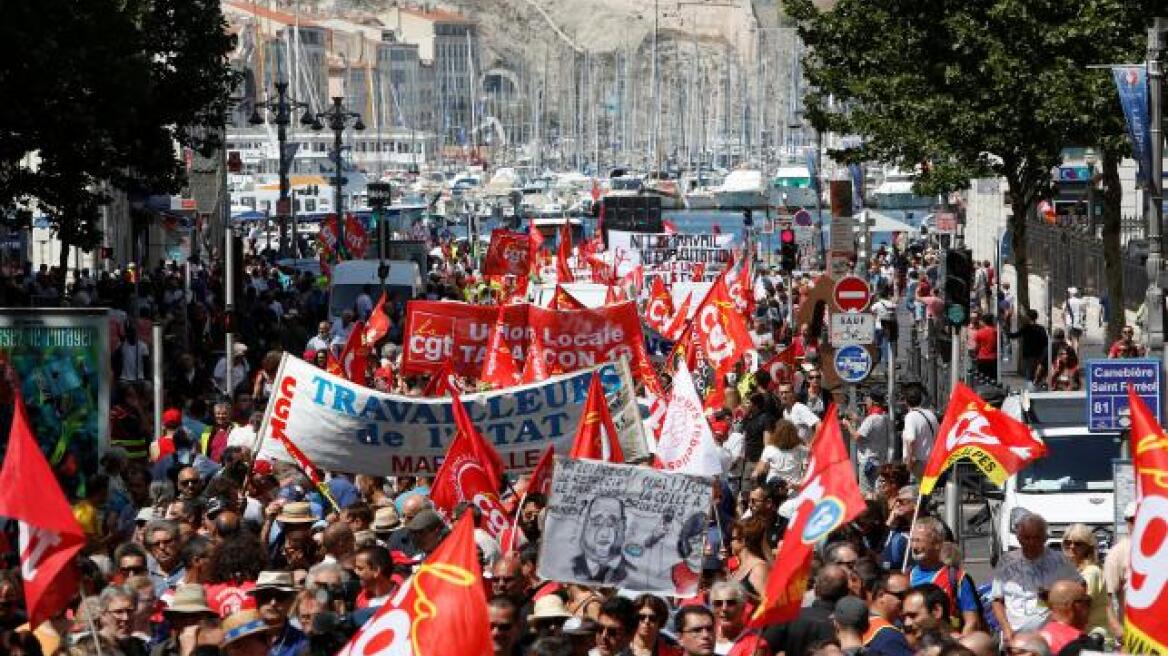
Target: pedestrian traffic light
788,250
958,283
747,217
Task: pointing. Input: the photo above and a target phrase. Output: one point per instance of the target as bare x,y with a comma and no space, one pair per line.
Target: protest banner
508,254
437,331
657,249
342,426
620,525
61,359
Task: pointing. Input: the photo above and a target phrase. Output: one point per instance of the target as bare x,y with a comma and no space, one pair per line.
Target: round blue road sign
852,363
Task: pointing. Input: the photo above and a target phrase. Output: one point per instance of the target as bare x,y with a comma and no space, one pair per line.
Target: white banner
345,427
624,526
686,443
656,249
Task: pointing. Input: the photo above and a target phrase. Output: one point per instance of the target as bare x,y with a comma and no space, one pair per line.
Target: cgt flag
50,537
1145,617
441,609
659,309
509,254
596,436
719,328
998,444
828,498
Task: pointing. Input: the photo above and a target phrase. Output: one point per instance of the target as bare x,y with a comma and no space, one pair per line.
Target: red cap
262,467
172,418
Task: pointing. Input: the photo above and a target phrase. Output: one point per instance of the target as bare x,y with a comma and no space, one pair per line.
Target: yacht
743,189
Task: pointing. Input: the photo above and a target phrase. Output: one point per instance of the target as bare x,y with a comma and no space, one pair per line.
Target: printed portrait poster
624,526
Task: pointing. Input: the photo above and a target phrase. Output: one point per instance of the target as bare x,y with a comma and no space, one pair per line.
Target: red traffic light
787,236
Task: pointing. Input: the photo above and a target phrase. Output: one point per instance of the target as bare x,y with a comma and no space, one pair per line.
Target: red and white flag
740,282
687,443
50,537
378,324
675,329
442,382
353,360
720,330
441,609
596,436
471,472
997,443
659,309
563,270
541,476
562,299
828,498
1145,616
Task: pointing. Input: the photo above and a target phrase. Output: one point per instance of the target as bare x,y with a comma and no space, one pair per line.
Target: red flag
541,477
307,466
499,367
659,309
483,451
740,282
468,475
720,330
716,398
1145,617
994,441
378,324
610,296
441,609
50,536
669,226
828,498
563,271
676,327
562,299
596,435
353,355
781,367
698,272
534,368
441,382
509,253
534,244
333,365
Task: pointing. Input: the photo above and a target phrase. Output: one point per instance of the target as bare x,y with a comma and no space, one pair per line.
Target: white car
1073,484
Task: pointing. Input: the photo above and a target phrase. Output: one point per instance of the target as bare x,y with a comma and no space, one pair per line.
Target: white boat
701,199
896,193
743,189
791,187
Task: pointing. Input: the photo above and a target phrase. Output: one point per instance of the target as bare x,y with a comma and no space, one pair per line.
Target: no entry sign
852,294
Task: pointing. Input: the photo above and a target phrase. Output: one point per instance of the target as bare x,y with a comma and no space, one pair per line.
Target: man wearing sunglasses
616,626
727,599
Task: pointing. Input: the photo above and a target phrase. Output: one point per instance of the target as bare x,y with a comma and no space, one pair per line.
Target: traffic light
747,217
958,283
788,250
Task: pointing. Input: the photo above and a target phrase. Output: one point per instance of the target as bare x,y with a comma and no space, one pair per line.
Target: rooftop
260,11
436,15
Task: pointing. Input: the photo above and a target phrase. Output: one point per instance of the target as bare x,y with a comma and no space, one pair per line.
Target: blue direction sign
1107,384
852,363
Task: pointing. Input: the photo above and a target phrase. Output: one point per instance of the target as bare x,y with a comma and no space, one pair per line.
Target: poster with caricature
623,526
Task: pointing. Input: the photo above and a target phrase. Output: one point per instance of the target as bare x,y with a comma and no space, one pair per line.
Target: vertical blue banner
1132,84
857,186
813,168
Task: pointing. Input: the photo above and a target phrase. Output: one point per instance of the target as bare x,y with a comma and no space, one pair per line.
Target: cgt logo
431,337
717,343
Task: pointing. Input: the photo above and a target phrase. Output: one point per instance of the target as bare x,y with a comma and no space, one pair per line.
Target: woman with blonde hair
1082,549
783,454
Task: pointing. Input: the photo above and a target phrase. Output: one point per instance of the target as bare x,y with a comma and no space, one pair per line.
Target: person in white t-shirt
797,413
1075,317
920,429
783,456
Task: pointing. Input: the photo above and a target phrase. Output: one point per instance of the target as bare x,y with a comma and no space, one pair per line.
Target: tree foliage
100,92
970,88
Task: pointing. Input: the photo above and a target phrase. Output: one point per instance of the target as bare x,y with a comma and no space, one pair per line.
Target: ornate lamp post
282,107
338,118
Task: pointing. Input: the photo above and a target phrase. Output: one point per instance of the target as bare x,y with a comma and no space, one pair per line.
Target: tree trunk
63,264
1020,207
1112,259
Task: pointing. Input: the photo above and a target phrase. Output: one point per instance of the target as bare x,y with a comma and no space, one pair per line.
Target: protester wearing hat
274,593
426,531
245,634
581,633
239,370
188,607
385,520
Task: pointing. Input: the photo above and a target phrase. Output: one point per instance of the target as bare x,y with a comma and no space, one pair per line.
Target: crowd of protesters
194,546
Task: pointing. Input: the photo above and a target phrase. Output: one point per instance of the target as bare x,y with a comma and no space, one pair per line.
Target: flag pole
911,526
92,625
515,524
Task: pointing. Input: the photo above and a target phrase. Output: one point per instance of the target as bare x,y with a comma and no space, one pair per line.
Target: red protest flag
677,325
781,367
610,296
307,466
483,450
698,272
534,368
378,324
441,382
534,243
1145,616
50,536
828,498
441,609
333,365
509,253
562,299
740,282
541,476
353,355
596,435
563,271
499,367
659,309
719,328
997,443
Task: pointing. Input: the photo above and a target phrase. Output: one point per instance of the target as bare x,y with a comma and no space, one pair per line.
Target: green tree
99,93
968,88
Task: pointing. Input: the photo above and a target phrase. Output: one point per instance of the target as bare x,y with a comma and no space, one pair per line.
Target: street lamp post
380,196
338,118
283,107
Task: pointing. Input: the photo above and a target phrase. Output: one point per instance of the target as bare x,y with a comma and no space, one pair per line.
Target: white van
403,283
1073,484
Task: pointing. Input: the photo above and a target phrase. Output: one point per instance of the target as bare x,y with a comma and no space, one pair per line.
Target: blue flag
1132,84
857,186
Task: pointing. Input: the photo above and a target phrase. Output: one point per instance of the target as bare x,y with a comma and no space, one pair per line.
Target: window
310,204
